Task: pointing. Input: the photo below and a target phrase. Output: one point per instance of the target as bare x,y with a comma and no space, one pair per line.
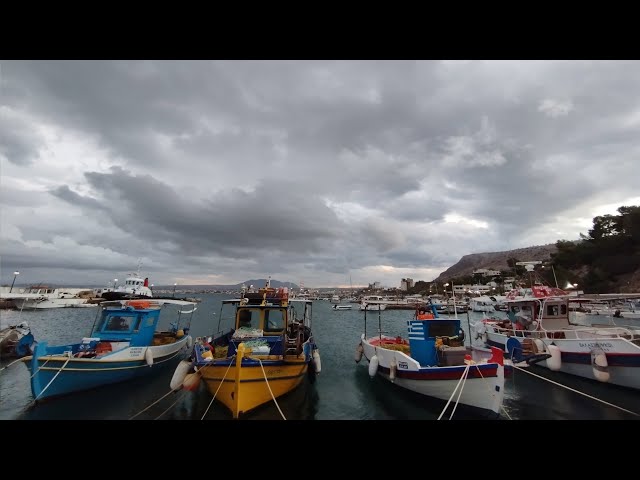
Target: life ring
425,316
139,304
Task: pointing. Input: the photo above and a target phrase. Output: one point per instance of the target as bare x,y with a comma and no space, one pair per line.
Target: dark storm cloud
227,167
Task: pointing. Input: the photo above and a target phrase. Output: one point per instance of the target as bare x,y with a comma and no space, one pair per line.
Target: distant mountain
496,260
257,283
261,282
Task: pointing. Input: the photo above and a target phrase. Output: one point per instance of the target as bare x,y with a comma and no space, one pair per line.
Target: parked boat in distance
16,341
342,307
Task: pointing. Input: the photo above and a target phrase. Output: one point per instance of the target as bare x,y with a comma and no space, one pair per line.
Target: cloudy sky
215,172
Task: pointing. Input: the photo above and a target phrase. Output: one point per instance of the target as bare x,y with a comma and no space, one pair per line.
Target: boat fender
480,329
180,333
148,356
554,362
359,351
179,374
316,361
191,382
373,366
393,367
461,335
189,341
600,365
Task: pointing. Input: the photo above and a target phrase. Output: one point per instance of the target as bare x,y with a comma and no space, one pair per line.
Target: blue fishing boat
124,343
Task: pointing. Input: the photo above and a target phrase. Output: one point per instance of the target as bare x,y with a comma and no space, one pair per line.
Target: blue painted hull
77,374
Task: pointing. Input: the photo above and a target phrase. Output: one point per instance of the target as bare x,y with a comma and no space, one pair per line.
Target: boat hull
56,375
483,390
242,388
623,356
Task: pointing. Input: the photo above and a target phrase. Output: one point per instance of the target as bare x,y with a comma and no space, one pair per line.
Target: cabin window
273,320
441,329
552,310
248,318
119,324
138,320
563,309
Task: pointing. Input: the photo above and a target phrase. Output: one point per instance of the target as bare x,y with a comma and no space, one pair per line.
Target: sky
325,173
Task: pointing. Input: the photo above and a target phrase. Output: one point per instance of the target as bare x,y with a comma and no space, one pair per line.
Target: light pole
115,281
151,287
15,274
174,289
446,294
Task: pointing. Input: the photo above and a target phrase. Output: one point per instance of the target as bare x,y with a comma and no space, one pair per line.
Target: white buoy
189,341
359,351
554,362
373,366
191,382
392,369
600,365
316,361
148,356
180,373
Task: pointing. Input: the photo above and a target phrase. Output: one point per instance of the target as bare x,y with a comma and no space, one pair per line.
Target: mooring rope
269,386
465,375
158,400
51,381
218,389
466,370
577,391
504,410
8,365
170,406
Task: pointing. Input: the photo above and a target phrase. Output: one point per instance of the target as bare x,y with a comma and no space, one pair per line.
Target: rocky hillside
496,260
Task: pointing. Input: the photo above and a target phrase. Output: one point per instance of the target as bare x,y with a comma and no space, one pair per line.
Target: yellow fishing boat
269,352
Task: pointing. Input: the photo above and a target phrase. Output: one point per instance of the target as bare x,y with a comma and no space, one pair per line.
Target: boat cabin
133,323
549,313
435,340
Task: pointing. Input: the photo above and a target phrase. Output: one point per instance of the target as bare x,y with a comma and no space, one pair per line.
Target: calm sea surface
343,391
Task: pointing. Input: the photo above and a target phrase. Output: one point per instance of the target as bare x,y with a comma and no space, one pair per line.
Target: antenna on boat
529,267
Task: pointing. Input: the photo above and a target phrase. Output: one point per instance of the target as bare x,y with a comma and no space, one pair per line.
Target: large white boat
134,287
43,297
539,323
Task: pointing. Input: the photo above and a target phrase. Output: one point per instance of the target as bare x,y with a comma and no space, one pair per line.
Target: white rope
51,381
501,406
218,389
169,407
454,391
8,365
577,391
38,369
162,397
269,386
465,375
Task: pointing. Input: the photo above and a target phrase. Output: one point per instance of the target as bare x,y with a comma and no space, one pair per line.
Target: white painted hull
35,304
623,356
485,392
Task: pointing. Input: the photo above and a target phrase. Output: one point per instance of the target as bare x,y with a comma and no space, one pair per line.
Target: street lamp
174,289
151,288
115,281
15,274
446,294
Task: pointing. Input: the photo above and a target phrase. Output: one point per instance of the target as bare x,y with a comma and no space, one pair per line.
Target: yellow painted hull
244,388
